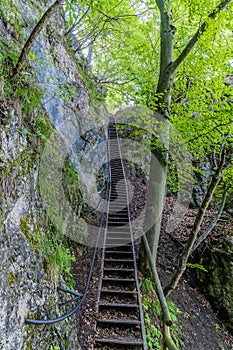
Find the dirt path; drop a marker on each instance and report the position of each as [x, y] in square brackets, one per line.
[201, 329]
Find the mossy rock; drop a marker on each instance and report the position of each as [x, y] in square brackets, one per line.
[33, 235]
[12, 278]
[217, 284]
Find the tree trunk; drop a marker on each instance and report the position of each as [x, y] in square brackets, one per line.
[168, 68]
[154, 208]
[158, 173]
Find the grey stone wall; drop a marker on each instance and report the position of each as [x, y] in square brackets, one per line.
[26, 287]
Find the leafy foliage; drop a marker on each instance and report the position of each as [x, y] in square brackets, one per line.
[58, 256]
[121, 43]
[122, 57]
[152, 311]
[197, 266]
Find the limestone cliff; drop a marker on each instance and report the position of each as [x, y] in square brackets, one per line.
[51, 95]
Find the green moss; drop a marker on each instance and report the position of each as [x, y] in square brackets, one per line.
[27, 92]
[24, 226]
[1, 220]
[33, 236]
[152, 317]
[28, 346]
[32, 315]
[9, 10]
[58, 256]
[24, 89]
[71, 184]
[43, 128]
[11, 278]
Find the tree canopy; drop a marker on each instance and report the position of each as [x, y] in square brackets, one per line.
[174, 57]
[121, 43]
[125, 41]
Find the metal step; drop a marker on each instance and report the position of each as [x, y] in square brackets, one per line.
[119, 260]
[120, 341]
[118, 291]
[109, 269]
[118, 232]
[120, 252]
[119, 306]
[119, 322]
[120, 280]
[118, 239]
[126, 247]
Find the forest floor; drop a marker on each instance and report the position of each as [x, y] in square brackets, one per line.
[200, 328]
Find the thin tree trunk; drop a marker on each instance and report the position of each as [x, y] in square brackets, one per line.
[212, 225]
[154, 208]
[30, 41]
[159, 289]
[90, 54]
[196, 227]
[166, 319]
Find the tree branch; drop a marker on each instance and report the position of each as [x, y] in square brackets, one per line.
[78, 21]
[223, 4]
[81, 47]
[196, 226]
[207, 132]
[212, 225]
[116, 81]
[30, 41]
[116, 18]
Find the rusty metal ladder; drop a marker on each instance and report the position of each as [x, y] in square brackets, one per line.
[120, 321]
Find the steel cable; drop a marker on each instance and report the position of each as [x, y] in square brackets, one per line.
[78, 296]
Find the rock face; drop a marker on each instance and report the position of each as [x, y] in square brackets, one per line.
[201, 182]
[49, 98]
[217, 283]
